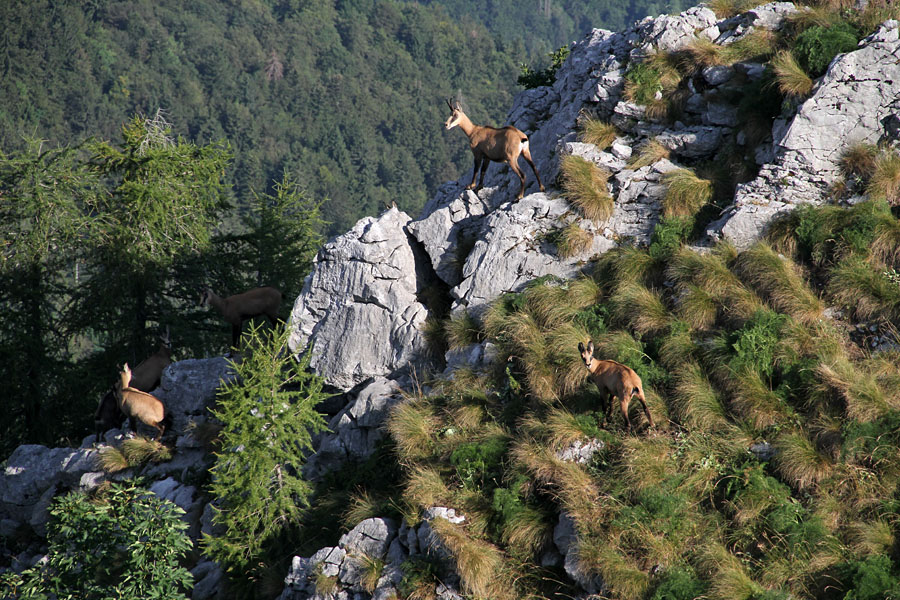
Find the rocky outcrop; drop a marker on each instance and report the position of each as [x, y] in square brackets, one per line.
[359, 312]
[849, 105]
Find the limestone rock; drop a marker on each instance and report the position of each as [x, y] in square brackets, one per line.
[355, 430]
[849, 103]
[512, 252]
[188, 388]
[358, 311]
[451, 225]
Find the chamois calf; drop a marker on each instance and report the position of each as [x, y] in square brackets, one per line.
[491, 144]
[614, 379]
[136, 404]
[240, 307]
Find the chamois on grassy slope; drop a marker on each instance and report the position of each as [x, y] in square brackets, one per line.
[491, 144]
[144, 377]
[614, 379]
[136, 404]
[238, 308]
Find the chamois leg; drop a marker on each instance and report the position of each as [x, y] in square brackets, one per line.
[160, 428]
[527, 154]
[484, 166]
[624, 404]
[478, 161]
[235, 335]
[639, 394]
[512, 165]
[609, 407]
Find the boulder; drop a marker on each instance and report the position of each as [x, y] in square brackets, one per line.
[358, 313]
[188, 389]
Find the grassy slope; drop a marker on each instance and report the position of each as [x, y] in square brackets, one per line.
[736, 352]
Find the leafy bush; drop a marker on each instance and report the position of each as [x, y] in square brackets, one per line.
[679, 583]
[669, 234]
[828, 232]
[123, 543]
[478, 463]
[642, 83]
[871, 579]
[818, 45]
[530, 78]
[754, 344]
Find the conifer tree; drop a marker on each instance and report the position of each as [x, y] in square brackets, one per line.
[269, 415]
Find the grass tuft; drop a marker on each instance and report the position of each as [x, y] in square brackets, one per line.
[858, 161]
[649, 153]
[478, 563]
[686, 193]
[885, 181]
[597, 132]
[573, 240]
[412, 425]
[112, 459]
[584, 184]
[139, 450]
[800, 462]
[462, 330]
[779, 281]
[792, 79]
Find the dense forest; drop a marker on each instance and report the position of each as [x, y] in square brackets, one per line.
[346, 96]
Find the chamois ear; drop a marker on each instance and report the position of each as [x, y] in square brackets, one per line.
[591, 347]
[580, 347]
[125, 368]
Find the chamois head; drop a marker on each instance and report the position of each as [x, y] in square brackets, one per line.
[587, 354]
[456, 114]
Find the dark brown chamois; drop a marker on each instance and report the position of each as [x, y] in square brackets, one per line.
[614, 379]
[240, 307]
[491, 144]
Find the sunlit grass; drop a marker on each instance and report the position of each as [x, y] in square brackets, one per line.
[792, 79]
[584, 185]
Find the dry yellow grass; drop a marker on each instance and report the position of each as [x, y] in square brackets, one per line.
[792, 79]
[584, 184]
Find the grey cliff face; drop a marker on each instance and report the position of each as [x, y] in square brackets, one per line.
[359, 311]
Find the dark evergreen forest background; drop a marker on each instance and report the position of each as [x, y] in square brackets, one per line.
[345, 95]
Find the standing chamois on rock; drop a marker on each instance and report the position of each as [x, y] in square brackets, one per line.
[614, 379]
[492, 144]
[240, 307]
[144, 377]
[136, 404]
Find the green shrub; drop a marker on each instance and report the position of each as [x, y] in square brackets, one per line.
[754, 345]
[529, 78]
[122, 543]
[642, 82]
[871, 579]
[669, 234]
[818, 45]
[479, 463]
[679, 583]
[594, 319]
[827, 233]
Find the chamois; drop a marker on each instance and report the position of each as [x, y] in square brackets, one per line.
[147, 374]
[144, 377]
[137, 404]
[240, 307]
[614, 379]
[107, 415]
[491, 144]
